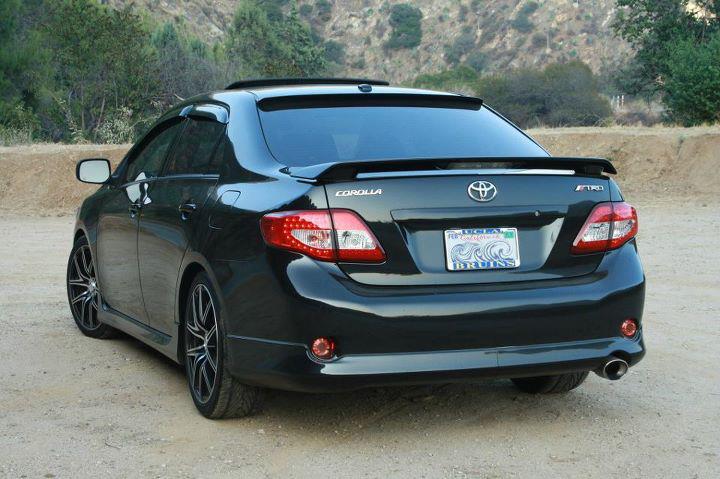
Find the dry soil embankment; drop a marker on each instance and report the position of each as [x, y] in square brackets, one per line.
[654, 163]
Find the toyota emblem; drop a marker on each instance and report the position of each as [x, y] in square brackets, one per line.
[482, 191]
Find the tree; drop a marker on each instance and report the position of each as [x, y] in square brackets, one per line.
[653, 28]
[262, 47]
[102, 61]
[405, 20]
[692, 90]
[23, 66]
[184, 65]
[573, 96]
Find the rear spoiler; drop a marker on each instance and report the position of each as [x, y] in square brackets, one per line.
[342, 171]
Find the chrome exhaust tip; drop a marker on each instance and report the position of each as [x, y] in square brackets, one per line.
[613, 370]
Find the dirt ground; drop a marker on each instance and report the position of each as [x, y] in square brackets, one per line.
[71, 406]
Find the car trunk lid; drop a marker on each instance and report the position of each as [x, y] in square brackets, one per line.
[410, 212]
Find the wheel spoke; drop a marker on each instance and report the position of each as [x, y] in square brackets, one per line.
[208, 383]
[85, 251]
[198, 374]
[195, 351]
[79, 297]
[211, 362]
[78, 269]
[194, 331]
[205, 313]
[211, 334]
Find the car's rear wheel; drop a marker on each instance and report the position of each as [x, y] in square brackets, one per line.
[214, 391]
[560, 383]
[83, 292]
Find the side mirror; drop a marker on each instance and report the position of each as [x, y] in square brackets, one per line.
[94, 170]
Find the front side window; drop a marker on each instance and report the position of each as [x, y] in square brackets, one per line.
[148, 161]
[194, 153]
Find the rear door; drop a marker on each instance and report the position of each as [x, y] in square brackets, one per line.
[426, 224]
[173, 219]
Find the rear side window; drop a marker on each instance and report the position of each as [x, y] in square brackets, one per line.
[151, 155]
[194, 152]
[309, 136]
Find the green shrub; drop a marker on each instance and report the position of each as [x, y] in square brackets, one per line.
[324, 10]
[405, 21]
[476, 60]
[539, 40]
[463, 44]
[463, 12]
[522, 23]
[692, 89]
[458, 79]
[529, 8]
[563, 94]
[305, 10]
[335, 52]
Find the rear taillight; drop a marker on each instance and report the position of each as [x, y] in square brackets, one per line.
[326, 235]
[609, 226]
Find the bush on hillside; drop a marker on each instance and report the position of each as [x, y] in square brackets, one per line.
[463, 44]
[563, 94]
[324, 10]
[476, 60]
[405, 20]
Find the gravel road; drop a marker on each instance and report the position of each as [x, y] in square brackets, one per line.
[71, 406]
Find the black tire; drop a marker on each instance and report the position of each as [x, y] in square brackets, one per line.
[83, 294]
[227, 398]
[561, 383]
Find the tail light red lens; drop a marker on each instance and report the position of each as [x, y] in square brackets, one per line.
[609, 226]
[326, 235]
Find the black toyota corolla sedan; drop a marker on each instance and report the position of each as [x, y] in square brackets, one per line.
[334, 234]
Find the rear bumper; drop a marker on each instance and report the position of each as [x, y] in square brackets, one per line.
[291, 367]
[391, 335]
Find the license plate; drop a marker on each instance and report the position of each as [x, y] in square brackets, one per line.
[482, 248]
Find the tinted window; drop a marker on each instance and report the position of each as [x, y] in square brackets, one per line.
[194, 153]
[149, 159]
[307, 136]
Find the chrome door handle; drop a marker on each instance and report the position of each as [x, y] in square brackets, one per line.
[186, 209]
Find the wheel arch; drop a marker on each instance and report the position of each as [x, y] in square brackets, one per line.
[78, 234]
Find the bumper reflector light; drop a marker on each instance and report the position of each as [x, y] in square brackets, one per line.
[628, 328]
[323, 348]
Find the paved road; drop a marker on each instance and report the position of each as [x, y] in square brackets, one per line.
[76, 407]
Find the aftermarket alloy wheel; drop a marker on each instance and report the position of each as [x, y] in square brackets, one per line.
[214, 391]
[83, 291]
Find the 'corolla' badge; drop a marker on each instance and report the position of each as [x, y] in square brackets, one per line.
[482, 191]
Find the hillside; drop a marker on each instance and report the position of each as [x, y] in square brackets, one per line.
[499, 34]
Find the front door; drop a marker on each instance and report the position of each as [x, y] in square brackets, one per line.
[118, 272]
[173, 222]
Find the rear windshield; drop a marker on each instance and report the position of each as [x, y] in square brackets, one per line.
[310, 136]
